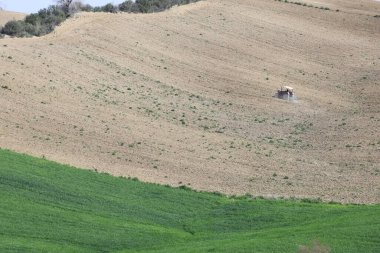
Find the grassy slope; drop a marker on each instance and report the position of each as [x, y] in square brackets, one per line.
[6, 16]
[47, 207]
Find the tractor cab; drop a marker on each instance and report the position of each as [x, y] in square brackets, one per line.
[285, 91]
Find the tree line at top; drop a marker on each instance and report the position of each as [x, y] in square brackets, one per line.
[45, 20]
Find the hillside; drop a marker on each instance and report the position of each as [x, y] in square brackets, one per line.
[47, 207]
[185, 97]
[6, 16]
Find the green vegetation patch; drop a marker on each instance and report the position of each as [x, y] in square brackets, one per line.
[48, 207]
[44, 22]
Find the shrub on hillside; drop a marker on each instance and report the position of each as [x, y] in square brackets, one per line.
[44, 22]
[77, 7]
[143, 6]
[33, 19]
[109, 8]
[14, 28]
[148, 6]
[50, 18]
[84, 7]
[128, 6]
[36, 24]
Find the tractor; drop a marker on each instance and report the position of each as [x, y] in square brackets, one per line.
[285, 92]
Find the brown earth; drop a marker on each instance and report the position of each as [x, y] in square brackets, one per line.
[6, 16]
[184, 97]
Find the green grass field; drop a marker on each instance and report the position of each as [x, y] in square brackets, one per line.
[47, 207]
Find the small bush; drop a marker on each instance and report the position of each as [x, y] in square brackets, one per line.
[14, 28]
[109, 8]
[86, 7]
[128, 6]
[79, 6]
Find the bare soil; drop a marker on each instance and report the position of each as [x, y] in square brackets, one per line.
[185, 97]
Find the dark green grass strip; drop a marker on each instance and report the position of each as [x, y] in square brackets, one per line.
[48, 207]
